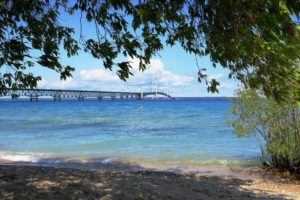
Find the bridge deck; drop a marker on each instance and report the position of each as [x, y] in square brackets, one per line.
[80, 94]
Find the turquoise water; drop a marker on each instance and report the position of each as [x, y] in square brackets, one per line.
[177, 132]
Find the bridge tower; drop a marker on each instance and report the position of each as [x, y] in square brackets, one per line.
[154, 87]
[142, 95]
[167, 92]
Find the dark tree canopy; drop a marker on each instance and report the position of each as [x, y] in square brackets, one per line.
[258, 40]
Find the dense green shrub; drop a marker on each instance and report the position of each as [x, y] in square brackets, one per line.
[275, 125]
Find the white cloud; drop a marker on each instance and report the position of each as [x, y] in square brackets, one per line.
[156, 68]
[226, 85]
[42, 83]
[224, 82]
[215, 76]
[97, 75]
[102, 79]
[68, 83]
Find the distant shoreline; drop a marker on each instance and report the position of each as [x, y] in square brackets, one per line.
[8, 99]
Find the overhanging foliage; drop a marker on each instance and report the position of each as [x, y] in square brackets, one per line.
[258, 41]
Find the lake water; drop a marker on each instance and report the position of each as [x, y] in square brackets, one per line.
[177, 133]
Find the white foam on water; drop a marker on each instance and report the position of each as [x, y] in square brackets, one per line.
[108, 160]
[23, 157]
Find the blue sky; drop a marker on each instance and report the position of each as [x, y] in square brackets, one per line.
[174, 68]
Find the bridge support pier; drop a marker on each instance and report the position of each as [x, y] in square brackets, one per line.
[34, 97]
[81, 98]
[113, 97]
[57, 98]
[99, 98]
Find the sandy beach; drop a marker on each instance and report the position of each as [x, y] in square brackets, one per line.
[40, 182]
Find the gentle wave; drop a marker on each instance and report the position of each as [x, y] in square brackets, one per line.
[49, 158]
[23, 156]
[33, 157]
[172, 133]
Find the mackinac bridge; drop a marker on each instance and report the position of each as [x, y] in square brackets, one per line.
[81, 95]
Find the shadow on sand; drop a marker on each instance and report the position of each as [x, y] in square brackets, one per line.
[122, 181]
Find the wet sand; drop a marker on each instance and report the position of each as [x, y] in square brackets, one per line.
[41, 182]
